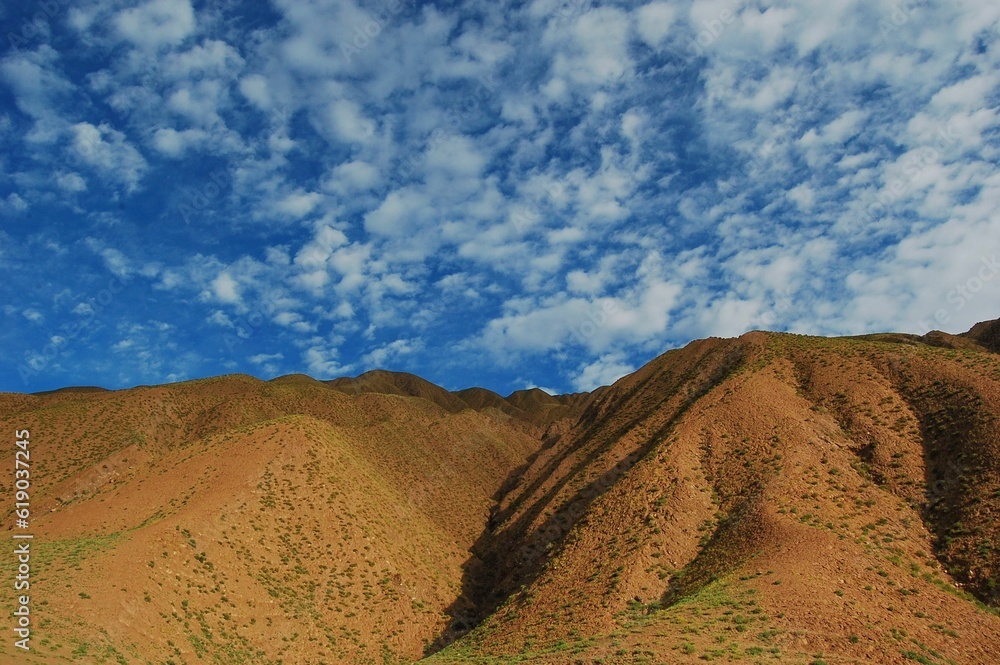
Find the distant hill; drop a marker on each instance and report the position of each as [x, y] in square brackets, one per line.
[986, 334]
[399, 383]
[533, 406]
[769, 498]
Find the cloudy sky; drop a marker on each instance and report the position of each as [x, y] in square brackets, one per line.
[491, 193]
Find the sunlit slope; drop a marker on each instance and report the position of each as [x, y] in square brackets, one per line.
[770, 497]
[232, 520]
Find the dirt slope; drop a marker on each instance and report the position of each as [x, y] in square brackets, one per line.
[770, 497]
[232, 520]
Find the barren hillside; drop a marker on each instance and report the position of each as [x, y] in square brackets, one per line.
[771, 498]
[233, 520]
[768, 497]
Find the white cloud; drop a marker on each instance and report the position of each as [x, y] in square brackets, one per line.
[109, 152]
[114, 259]
[347, 122]
[803, 196]
[298, 203]
[316, 253]
[221, 319]
[257, 89]
[262, 358]
[398, 215]
[212, 58]
[383, 356]
[844, 127]
[654, 21]
[268, 362]
[322, 361]
[603, 371]
[71, 182]
[15, 202]
[225, 288]
[199, 102]
[351, 177]
[33, 315]
[175, 143]
[156, 23]
[770, 25]
[38, 88]
[455, 157]
[598, 325]
[596, 51]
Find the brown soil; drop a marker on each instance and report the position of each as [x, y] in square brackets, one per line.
[772, 498]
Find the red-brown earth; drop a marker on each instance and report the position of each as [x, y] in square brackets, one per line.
[771, 498]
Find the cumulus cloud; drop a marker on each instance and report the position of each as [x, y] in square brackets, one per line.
[175, 143]
[109, 152]
[603, 371]
[71, 182]
[114, 259]
[298, 203]
[322, 361]
[225, 288]
[593, 51]
[346, 121]
[156, 23]
[39, 88]
[654, 21]
[576, 186]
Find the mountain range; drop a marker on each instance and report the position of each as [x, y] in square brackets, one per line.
[767, 498]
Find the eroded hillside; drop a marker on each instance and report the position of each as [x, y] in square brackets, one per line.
[771, 498]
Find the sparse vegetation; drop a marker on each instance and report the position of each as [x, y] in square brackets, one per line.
[760, 500]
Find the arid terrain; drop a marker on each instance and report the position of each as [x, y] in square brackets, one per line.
[769, 498]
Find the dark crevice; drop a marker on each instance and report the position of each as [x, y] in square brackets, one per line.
[503, 561]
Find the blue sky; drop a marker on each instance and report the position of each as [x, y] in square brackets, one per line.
[504, 194]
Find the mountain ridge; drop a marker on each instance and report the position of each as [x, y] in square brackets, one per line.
[761, 497]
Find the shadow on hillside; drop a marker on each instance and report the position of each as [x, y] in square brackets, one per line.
[502, 563]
